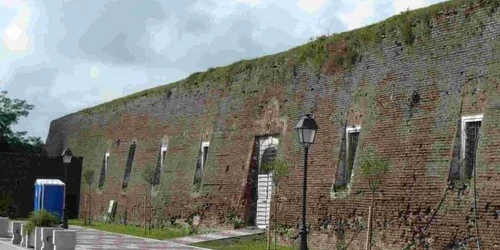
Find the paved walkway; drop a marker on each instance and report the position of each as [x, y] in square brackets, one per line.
[91, 239]
[96, 239]
[5, 245]
[217, 236]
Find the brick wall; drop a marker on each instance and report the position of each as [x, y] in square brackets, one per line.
[454, 72]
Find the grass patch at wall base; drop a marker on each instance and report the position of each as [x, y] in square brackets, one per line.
[154, 233]
[254, 243]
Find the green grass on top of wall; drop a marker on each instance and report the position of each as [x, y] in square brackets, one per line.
[406, 27]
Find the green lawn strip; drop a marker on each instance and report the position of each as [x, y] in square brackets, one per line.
[154, 233]
[254, 243]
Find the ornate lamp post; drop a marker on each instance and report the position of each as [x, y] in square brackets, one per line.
[66, 155]
[306, 132]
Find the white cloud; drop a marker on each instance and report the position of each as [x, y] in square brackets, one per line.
[11, 3]
[94, 72]
[403, 5]
[15, 36]
[311, 6]
[250, 2]
[361, 14]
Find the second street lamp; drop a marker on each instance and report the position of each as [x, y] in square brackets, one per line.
[66, 155]
[306, 132]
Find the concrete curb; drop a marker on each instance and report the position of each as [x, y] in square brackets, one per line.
[224, 235]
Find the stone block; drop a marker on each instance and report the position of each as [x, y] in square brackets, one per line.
[31, 240]
[24, 238]
[27, 239]
[16, 232]
[64, 239]
[4, 227]
[39, 239]
[47, 236]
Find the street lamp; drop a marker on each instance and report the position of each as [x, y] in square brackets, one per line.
[66, 155]
[306, 132]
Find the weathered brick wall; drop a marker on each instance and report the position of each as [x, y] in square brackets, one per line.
[452, 66]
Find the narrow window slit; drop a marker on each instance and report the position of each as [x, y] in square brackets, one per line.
[200, 166]
[346, 165]
[128, 168]
[104, 170]
[464, 166]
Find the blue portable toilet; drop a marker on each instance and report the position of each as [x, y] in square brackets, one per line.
[49, 195]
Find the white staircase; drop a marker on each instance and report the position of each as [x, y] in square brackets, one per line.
[265, 190]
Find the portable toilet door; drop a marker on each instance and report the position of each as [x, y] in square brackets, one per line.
[50, 196]
[38, 193]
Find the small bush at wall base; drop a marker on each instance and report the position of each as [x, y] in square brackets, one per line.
[42, 218]
[234, 219]
[5, 203]
[339, 188]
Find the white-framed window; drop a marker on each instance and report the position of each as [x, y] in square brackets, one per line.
[268, 150]
[352, 138]
[163, 154]
[160, 169]
[104, 170]
[204, 154]
[470, 134]
[106, 161]
[200, 164]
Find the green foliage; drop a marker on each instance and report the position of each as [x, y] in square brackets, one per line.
[234, 219]
[315, 50]
[256, 242]
[406, 27]
[88, 176]
[374, 170]
[339, 187]
[42, 218]
[148, 174]
[10, 112]
[136, 230]
[278, 167]
[285, 231]
[5, 202]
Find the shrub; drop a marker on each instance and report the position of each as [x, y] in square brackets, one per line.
[42, 218]
[234, 219]
[5, 203]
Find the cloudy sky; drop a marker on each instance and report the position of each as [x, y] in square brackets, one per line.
[63, 56]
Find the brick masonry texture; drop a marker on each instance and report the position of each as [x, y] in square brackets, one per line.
[455, 71]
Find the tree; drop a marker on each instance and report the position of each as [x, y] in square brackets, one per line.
[5, 203]
[280, 169]
[148, 175]
[374, 171]
[88, 177]
[10, 112]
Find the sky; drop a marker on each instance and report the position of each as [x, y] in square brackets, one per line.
[66, 55]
